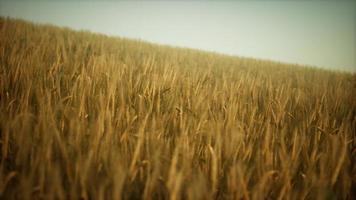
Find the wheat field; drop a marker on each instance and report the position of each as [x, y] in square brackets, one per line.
[87, 116]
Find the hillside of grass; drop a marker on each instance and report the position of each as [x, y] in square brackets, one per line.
[87, 116]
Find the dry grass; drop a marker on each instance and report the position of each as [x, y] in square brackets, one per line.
[85, 116]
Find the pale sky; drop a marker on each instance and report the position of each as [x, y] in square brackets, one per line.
[320, 33]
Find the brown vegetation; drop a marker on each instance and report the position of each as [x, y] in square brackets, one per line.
[86, 116]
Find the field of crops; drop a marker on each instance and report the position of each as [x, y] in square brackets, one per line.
[87, 116]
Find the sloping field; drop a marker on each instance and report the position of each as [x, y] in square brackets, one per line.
[86, 116]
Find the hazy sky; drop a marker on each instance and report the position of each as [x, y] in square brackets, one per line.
[318, 33]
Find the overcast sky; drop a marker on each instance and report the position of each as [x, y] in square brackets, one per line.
[320, 33]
